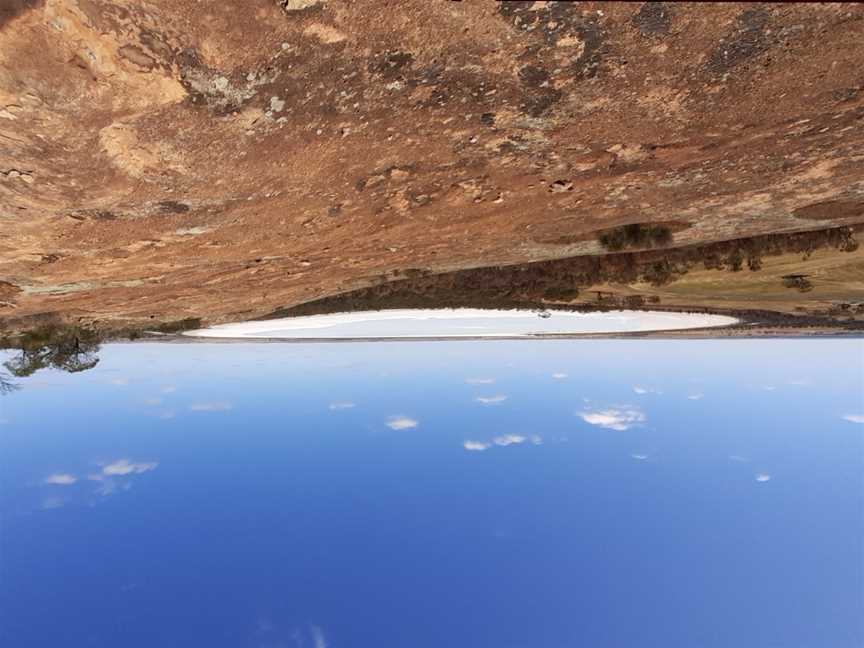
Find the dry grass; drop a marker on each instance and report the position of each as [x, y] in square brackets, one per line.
[836, 277]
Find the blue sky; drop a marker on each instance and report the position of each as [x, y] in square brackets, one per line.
[495, 493]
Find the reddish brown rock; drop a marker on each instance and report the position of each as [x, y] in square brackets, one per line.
[176, 158]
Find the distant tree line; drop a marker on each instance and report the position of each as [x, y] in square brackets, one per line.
[635, 235]
[562, 279]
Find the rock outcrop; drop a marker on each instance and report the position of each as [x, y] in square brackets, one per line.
[175, 158]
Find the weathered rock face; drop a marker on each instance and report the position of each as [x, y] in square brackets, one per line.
[176, 158]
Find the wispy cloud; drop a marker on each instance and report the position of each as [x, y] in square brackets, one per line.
[126, 467]
[119, 381]
[318, 639]
[559, 375]
[738, 458]
[491, 400]
[61, 479]
[153, 401]
[211, 406]
[854, 418]
[762, 477]
[639, 457]
[341, 405]
[614, 418]
[479, 381]
[696, 396]
[168, 389]
[768, 387]
[503, 441]
[401, 423]
[508, 439]
[477, 446]
[800, 381]
[646, 390]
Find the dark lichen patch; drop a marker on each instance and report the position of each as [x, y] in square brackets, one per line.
[172, 207]
[559, 23]
[533, 76]
[540, 96]
[831, 209]
[391, 65]
[551, 20]
[587, 65]
[10, 9]
[539, 102]
[748, 39]
[653, 18]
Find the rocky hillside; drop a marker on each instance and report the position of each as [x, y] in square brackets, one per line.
[175, 158]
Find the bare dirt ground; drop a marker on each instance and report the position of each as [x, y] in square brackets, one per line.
[165, 159]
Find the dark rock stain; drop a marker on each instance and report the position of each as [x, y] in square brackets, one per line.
[747, 40]
[831, 209]
[10, 9]
[652, 18]
[172, 207]
[390, 65]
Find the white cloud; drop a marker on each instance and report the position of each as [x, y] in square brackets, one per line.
[169, 389]
[212, 406]
[401, 423]
[762, 477]
[479, 381]
[126, 467]
[318, 639]
[738, 458]
[559, 375]
[646, 390]
[696, 396]
[503, 440]
[614, 418]
[61, 479]
[478, 446]
[639, 457]
[508, 439]
[768, 387]
[854, 418]
[491, 400]
[52, 503]
[341, 405]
